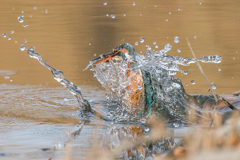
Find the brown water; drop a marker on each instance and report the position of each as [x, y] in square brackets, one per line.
[34, 114]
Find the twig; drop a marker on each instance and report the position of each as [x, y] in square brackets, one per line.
[227, 103]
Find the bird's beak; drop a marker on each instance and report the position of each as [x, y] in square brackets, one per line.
[104, 57]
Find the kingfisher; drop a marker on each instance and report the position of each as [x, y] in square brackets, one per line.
[151, 89]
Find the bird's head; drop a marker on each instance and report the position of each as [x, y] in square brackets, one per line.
[124, 52]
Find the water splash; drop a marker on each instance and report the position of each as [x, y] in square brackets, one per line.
[58, 76]
[152, 74]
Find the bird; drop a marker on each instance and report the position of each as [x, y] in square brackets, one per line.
[153, 89]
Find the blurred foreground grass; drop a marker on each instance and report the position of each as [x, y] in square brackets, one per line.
[209, 137]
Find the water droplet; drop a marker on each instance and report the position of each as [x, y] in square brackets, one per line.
[22, 47]
[46, 11]
[15, 42]
[20, 19]
[186, 84]
[146, 129]
[9, 38]
[10, 80]
[154, 42]
[200, 3]
[167, 47]
[195, 37]
[34, 7]
[185, 72]
[213, 86]
[58, 146]
[32, 48]
[89, 44]
[192, 82]
[178, 9]
[107, 15]
[170, 12]
[65, 99]
[156, 46]
[136, 43]
[142, 39]
[166, 19]
[22, 11]
[219, 69]
[124, 15]
[94, 54]
[104, 3]
[25, 41]
[148, 47]
[12, 31]
[112, 16]
[178, 50]
[176, 85]
[30, 15]
[139, 87]
[6, 77]
[233, 58]
[176, 39]
[140, 14]
[4, 35]
[26, 25]
[134, 4]
[155, 5]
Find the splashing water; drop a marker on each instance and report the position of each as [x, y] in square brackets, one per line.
[58, 76]
[159, 92]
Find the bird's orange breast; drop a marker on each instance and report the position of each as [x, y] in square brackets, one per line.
[136, 88]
